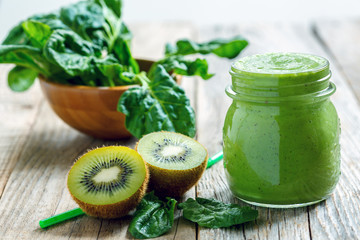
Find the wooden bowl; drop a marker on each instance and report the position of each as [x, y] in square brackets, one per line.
[91, 110]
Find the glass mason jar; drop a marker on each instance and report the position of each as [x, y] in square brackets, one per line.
[281, 132]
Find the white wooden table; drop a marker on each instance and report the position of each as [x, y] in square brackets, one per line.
[37, 148]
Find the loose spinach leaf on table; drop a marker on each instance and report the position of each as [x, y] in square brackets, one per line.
[228, 48]
[215, 214]
[153, 217]
[159, 104]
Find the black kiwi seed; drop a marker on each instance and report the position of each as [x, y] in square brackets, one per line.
[109, 187]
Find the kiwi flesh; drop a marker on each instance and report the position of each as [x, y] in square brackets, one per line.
[176, 162]
[108, 182]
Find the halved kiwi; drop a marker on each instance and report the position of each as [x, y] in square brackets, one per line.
[176, 162]
[108, 182]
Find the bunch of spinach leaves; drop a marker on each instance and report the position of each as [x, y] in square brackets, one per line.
[154, 217]
[87, 43]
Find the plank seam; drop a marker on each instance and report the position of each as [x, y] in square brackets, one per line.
[243, 229]
[278, 228]
[309, 226]
[98, 235]
[177, 225]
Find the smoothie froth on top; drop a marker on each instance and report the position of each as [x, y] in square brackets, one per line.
[280, 63]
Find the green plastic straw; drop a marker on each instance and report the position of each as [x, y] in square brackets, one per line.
[78, 212]
[60, 217]
[214, 159]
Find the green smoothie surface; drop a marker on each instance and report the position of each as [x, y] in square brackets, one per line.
[280, 63]
[289, 74]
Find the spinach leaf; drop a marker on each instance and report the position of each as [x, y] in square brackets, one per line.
[123, 54]
[17, 35]
[75, 56]
[159, 104]
[51, 19]
[21, 78]
[26, 56]
[215, 214]
[153, 217]
[228, 48]
[115, 28]
[181, 66]
[116, 74]
[114, 5]
[37, 32]
[85, 18]
[100, 22]
[97, 21]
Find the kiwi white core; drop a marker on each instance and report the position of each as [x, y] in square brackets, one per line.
[107, 175]
[170, 150]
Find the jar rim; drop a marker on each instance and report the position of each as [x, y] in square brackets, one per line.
[323, 67]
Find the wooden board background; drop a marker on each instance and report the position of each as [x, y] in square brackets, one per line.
[37, 149]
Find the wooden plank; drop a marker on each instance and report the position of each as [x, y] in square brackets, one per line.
[17, 113]
[37, 183]
[36, 186]
[341, 40]
[322, 221]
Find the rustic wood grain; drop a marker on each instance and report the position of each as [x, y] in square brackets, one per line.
[336, 218]
[341, 40]
[18, 112]
[37, 183]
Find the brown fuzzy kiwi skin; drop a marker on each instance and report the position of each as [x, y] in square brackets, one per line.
[174, 183]
[118, 209]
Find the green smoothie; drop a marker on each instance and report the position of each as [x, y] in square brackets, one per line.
[281, 133]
